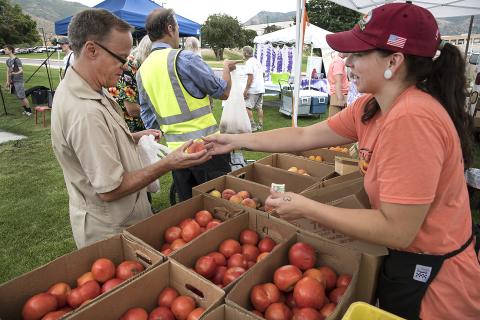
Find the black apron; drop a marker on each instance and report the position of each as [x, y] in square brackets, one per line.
[405, 277]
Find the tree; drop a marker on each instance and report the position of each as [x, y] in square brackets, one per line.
[247, 38]
[331, 16]
[271, 28]
[222, 31]
[16, 27]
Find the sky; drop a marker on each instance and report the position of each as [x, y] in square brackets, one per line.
[199, 10]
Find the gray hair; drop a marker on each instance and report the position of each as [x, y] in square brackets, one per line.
[93, 24]
[143, 49]
[192, 44]
[248, 51]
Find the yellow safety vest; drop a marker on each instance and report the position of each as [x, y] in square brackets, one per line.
[180, 115]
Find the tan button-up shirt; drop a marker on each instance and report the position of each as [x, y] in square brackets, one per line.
[94, 147]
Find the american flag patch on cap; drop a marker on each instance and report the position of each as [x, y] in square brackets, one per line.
[396, 41]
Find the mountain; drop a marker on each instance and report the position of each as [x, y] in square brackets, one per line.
[46, 12]
[448, 26]
[270, 17]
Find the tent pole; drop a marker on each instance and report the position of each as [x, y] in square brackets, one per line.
[468, 37]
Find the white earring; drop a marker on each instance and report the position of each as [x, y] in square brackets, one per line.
[388, 74]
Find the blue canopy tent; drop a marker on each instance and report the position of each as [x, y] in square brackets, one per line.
[134, 12]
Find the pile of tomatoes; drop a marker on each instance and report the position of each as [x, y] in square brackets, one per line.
[234, 258]
[300, 290]
[60, 299]
[188, 229]
[171, 306]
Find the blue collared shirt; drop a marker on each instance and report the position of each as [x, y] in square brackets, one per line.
[196, 76]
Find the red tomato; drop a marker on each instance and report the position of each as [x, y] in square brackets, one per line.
[262, 255]
[110, 284]
[190, 231]
[165, 246]
[166, 297]
[263, 295]
[266, 245]
[344, 280]
[167, 251]
[60, 290]
[218, 275]
[196, 314]
[286, 277]
[177, 244]
[38, 306]
[306, 314]
[172, 234]
[249, 237]
[182, 306]
[309, 293]
[238, 260]
[205, 266]
[195, 147]
[161, 313]
[135, 314]
[203, 217]
[184, 222]
[330, 277]
[229, 247]
[54, 315]
[250, 252]
[302, 255]
[328, 309]
[128, 269]
[87, 276]
[75, 298]
[213, 224]
[278, 311]
[103, 269]
[90, 290]
[317, 275]
[232, 274]
[219, 258]
[337, 294]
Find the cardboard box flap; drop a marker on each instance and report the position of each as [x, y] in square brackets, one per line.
[284, 161]
[143, 292]
[341, 259]
[266, 175]
[226, 312]
[149, 232]
[337, 191]
[67, 268]
[345, 178]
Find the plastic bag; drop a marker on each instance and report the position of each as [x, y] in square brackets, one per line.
[234, 116]
[150, 152]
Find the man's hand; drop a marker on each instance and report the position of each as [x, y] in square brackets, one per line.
[180, 159]
[230, 64]
[219, 143]
[156, 133]
[245, 94]
[288, 205]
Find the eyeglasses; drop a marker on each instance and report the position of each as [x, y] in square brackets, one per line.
[123, 61]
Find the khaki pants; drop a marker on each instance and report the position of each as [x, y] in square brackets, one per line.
[335, 105]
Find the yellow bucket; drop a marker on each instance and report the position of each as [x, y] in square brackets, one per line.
[364, 311]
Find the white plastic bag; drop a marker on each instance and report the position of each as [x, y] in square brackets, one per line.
[150, 152]
[234, 116]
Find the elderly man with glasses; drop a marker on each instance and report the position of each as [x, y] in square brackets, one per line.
[105, 179]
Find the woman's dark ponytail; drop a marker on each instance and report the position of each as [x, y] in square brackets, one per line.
[444, 78]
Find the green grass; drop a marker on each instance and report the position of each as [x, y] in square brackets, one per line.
[34, 220]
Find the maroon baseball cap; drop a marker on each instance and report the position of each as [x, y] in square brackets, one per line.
[398, 27]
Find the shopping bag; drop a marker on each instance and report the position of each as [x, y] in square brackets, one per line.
[234, 116]
[150, 152]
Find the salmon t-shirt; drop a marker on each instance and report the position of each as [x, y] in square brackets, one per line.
[337, 67]
[412, 155]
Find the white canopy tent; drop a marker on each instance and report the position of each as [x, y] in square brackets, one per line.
[314, 36]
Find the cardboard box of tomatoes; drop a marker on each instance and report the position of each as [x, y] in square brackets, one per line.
[226, 312]
[46, 289]
[347, 194]
[299, 165]
[227, 252]
[169, 289]
[306, 274]
[176, 226]
[263, 174]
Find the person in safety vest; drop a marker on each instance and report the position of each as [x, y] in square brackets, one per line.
[415, 134]
[105, 178]
[174, 88]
